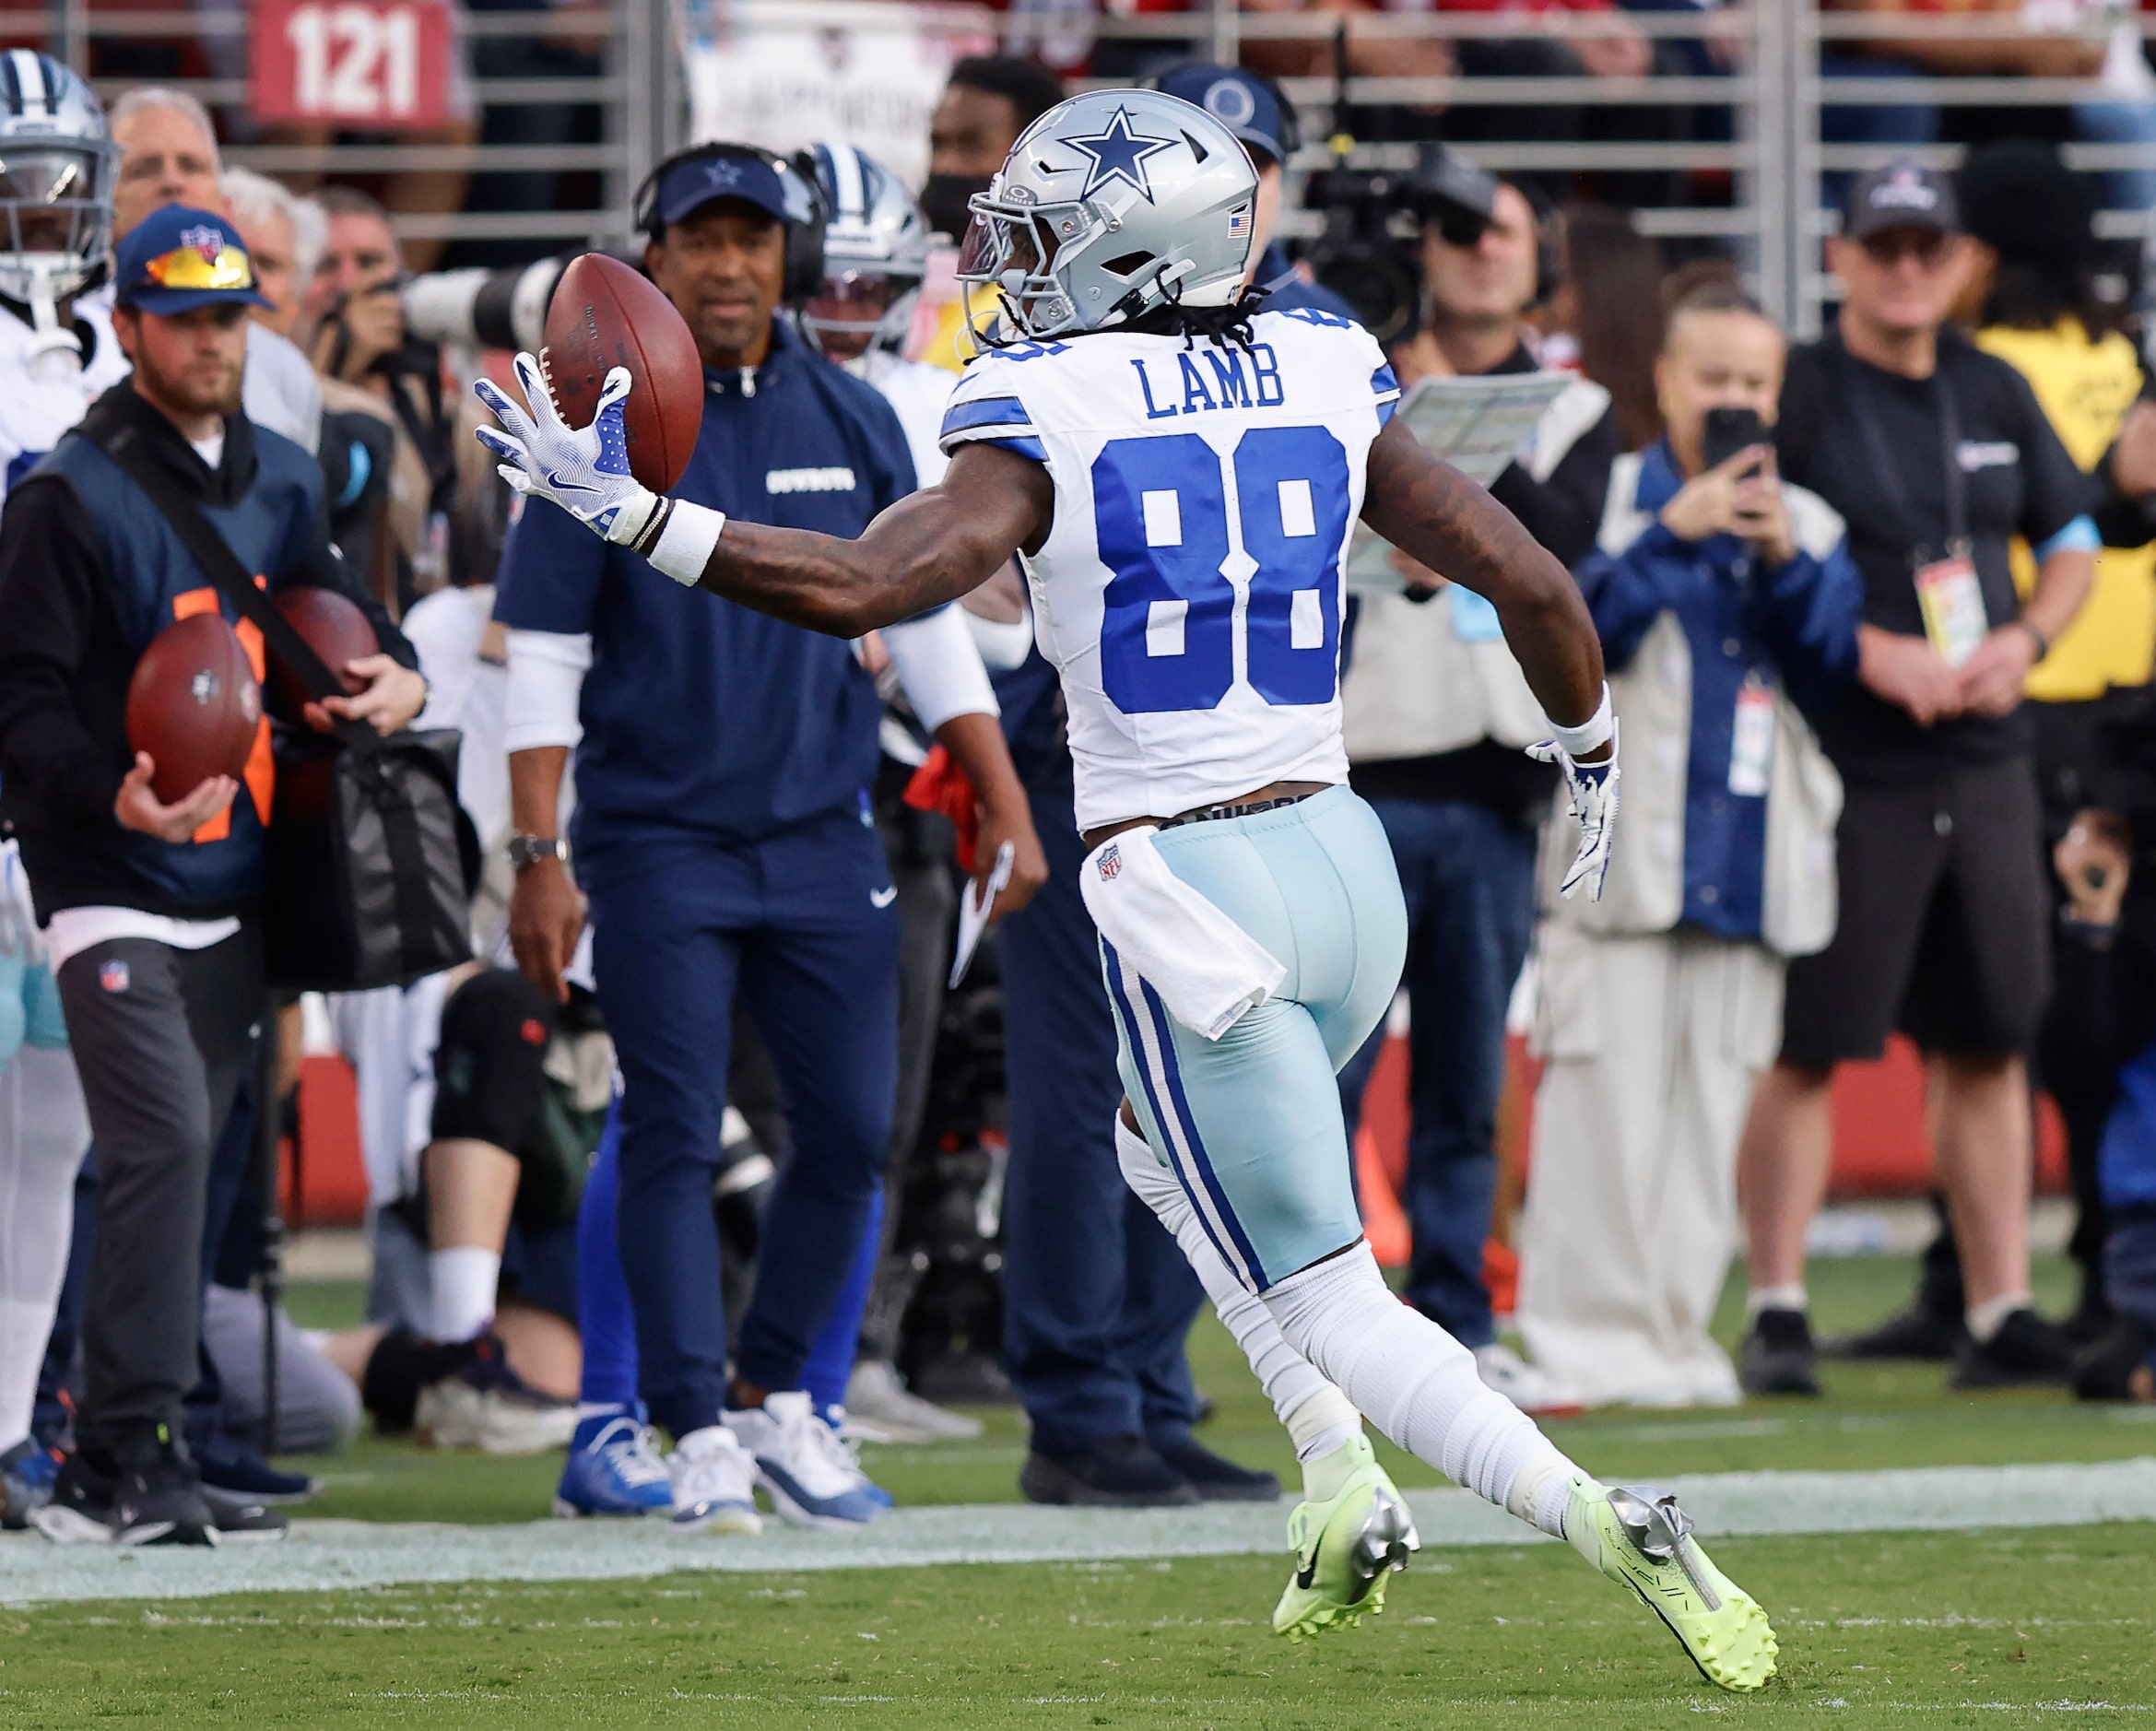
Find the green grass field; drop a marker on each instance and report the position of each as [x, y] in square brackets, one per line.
[1879, 1630]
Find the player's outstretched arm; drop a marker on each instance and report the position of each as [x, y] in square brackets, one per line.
[930, 547]
[1432, 512]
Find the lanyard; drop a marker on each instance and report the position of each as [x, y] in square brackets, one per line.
[1882, 460]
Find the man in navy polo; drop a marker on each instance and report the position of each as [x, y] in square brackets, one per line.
[725, 841]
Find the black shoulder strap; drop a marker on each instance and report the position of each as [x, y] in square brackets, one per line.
[210, 550]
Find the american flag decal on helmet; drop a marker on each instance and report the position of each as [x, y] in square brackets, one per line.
[1239, 222]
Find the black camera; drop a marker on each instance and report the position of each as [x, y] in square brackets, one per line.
[1370, 252]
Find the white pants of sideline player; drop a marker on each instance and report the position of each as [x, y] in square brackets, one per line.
[1653, 1047]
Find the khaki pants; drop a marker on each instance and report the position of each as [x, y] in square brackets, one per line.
[1653, 1045]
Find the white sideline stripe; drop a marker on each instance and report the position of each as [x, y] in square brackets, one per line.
[330, 1555]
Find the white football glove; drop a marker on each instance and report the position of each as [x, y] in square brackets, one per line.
[1591, 788]
[583, 470]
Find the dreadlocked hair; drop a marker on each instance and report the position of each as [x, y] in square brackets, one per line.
[1217, 326]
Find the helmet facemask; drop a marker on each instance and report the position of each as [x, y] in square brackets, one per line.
[1015, 247]
[57, 200]
[859, 311]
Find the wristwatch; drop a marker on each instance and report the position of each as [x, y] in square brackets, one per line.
[526, 851]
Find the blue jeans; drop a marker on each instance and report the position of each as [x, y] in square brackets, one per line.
[1097, 1296]
[1467, 874]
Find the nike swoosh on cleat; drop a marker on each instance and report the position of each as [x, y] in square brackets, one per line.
[883, 898]
[1308, 1572]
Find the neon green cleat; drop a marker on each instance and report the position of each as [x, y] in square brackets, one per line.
[1344, 1544]
[1640, 1540]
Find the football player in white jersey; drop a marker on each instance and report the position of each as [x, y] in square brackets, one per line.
[57, 354]
[1181, 471]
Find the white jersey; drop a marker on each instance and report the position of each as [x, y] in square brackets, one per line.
[1190, 593]
[42, 398]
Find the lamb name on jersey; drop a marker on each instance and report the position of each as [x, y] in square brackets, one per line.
[1190, 593]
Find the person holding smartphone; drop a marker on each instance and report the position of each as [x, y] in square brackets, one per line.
[1727, 607]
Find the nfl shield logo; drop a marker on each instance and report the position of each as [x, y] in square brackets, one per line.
[113, 976]
[1111, 862]
[209, 242]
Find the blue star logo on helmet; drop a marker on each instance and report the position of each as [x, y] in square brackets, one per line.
[1119, 154]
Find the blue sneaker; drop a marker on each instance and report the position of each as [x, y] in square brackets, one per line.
[26, 1476]
[850, 1436]
[810, 1475]
[613, 1468]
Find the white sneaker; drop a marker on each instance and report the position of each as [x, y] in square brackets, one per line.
[1530, 1390]
[714, 1484]
[878, 1401]
[808, 1472]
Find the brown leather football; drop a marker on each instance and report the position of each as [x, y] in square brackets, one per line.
[335, 630]
[194, 705]
[606, 315]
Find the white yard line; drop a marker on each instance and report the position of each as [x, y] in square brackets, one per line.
[342, 1554]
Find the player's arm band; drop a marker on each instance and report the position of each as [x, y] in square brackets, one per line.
[939, 667]
[680, 538]
[1591, 735]
[546, 681]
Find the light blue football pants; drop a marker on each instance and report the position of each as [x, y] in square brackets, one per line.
[1250, 1124]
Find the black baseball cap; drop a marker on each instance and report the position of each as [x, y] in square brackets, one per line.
[1902, 194]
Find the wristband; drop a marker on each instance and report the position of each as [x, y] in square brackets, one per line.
[681, 538]
[2043, 642]
[1590, 734]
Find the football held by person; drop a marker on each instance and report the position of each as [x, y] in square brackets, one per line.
[1181, 470]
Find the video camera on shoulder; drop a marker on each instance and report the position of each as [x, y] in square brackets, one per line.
[1370, 253]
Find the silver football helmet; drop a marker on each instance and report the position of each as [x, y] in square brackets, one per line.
[1113, 204]
[58, 167]
[874, 256]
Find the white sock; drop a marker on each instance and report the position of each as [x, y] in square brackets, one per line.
[1316, 1414]
[1985, 1319]
[1417, 1383]
[44, 1133]
[598, 1409]
[463, 1281]
[25, 1327]
[1774, 1298]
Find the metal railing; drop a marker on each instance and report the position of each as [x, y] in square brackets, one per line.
[1756, 190]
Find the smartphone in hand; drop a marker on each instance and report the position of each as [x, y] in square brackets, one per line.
[1729, 430]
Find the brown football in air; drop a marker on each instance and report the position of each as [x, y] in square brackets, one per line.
[192, 704]
[335, 629]
[607, 314]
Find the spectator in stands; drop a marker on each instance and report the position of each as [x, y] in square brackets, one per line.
[1437, 712]
[1726, 604]
[169, 154]
[1936, 454]
[2077, 39]
[157, 956]
[2032, 296]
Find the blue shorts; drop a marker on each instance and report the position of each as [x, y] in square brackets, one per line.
[1250, 1122]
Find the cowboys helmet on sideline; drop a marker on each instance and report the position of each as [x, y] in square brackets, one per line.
[1112, 203]
[60, 170]
[874, 256]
